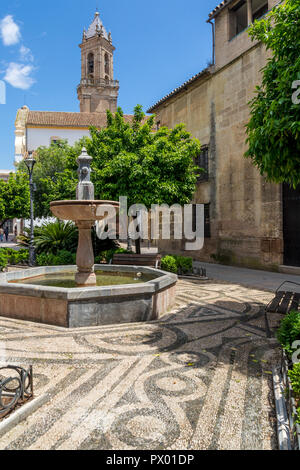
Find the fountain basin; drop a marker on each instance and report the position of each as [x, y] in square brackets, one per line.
[84, 213]
[86, 306]
[81, 210]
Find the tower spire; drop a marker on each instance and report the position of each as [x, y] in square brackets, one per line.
[98, 91]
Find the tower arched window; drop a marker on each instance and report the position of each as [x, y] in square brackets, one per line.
[106, 63]
[90, 64]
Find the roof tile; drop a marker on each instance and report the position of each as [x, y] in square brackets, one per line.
[63, 119]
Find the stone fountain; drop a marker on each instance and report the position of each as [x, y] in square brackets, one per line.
[39, 295]
[84, 212]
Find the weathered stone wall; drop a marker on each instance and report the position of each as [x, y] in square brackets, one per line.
[228, 49]
[246, 220]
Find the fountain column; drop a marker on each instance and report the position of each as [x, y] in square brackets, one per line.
[85, 254]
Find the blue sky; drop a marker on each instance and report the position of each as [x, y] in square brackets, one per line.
[159, 45]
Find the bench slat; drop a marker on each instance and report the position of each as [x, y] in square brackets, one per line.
[275, 302]
[295, 302]
[283, 307]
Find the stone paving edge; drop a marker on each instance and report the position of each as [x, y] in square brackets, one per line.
[22, 413]
[283, 430]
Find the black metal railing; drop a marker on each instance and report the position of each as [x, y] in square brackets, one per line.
[16, 387]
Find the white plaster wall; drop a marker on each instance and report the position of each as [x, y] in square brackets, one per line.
[37, 137]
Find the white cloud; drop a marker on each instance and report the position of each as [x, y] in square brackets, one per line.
[26, 54]
[10, 31]
[19, 75]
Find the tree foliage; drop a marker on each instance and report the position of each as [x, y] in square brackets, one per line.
[148, 167]
[14, 197]
[54, 175]
[274, 126]
[129, 159]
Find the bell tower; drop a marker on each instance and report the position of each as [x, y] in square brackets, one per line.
[98, 91]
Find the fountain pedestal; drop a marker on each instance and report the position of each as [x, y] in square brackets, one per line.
[85, 255]
[83, 211]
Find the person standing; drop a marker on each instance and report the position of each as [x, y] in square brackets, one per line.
[6, 233]
[1, 234]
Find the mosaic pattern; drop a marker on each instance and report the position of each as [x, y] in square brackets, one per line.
[197, 379]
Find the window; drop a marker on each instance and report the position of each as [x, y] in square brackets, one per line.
[106, 63]
[158, 125]
[259, 8]
[207, 233]
[238, 18]
[201, 161]
[90, 63]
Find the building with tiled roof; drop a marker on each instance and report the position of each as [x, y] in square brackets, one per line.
[97, 92]
[248, 221]
[34, 129]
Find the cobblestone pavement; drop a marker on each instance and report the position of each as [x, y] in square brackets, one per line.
[197, 379]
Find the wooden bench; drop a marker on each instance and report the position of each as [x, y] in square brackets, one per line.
[284, 302]
[137, 260]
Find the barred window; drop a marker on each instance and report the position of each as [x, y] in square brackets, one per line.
[201, 161]
[238, 19]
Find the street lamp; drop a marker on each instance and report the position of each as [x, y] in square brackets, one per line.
[30, 162]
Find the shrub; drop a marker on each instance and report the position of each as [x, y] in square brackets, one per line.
[52, 237]
[177, 264]
[184, 264]
[62, 258]
[168, 263]
[10, 256]
[289, 331]
[55, 237]
[294, 375]
[18, 257]
[3, 260]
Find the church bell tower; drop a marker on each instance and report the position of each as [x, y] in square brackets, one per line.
[98, 91]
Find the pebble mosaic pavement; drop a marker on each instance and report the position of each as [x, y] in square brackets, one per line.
[197, 379]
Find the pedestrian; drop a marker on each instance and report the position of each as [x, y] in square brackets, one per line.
[1, 234]
[6, 233]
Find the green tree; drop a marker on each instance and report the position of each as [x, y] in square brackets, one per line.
[54, 175]
[274, 126]
[14, 197]
[130, 159]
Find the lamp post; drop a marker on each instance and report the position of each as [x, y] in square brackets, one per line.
[30, 162]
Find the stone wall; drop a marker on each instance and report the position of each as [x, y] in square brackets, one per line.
[228, 49]
[245, 210]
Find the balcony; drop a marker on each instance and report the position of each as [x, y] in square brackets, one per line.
[98, 82]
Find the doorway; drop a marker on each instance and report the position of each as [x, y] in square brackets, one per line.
[291, 225]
